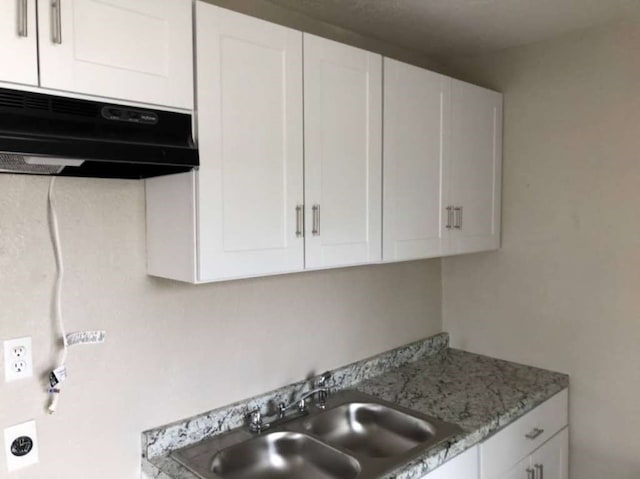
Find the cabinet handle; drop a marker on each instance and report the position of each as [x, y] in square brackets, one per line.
[299, 221]
[458, 218]
[56, 22]
[531, 474]
[534, 433]
[449, 217]
[22, 19]
[316, 220]
[540, 471]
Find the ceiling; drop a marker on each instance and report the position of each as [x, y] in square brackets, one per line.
[445, 28]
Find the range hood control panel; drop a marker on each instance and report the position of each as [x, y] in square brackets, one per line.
[129, 115]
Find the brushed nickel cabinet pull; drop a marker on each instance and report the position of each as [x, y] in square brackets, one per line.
[531, 474]
[457, 223]
[299, 222]
[449, 217]
[539, 471]
[56, 21]
[316, 220]
[22, 19]
[534, 433]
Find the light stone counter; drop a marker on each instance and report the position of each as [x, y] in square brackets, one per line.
[480, 394]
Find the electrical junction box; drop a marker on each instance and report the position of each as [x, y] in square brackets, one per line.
[21, 445]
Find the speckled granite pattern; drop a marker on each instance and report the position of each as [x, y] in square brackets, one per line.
[162, 440]
[479, 393]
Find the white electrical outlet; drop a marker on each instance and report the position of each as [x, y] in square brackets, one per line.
[21, 445]
[18, 362]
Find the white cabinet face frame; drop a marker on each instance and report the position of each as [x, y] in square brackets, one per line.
[463, 466]
[538, 437]
[474, 171]
[343, 154]
[250, 181]
[416, 146]
[133, 50]
[18, 42]
[551, 460]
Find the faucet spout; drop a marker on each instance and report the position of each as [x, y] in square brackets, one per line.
[257, 423]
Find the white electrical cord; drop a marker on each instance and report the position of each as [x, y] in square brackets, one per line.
[55, 237]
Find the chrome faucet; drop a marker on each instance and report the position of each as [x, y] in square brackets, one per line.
[257, 423]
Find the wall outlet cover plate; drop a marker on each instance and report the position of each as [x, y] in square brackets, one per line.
[24, 430]
[18, 361]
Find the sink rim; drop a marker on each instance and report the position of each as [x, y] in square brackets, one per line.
[371, 467]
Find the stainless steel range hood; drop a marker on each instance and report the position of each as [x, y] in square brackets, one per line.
[52, 135]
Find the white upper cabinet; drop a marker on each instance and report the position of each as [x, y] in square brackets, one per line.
[343, 153]
[244, 209]
[18, 42]
[251, 195]
[290, 130]
[474, 170]
[139, 51]
[132, 50]
[416, 144]
[442, 165]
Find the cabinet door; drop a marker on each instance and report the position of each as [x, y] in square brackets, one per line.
[552, 458]
[249, 85]
[416, 130]
[475, 168]
[18, 42]
[139, 51]
[521, 470]
[464, 466]
[343, 153]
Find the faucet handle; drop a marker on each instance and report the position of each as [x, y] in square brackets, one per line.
[255, 420]
[321, 382]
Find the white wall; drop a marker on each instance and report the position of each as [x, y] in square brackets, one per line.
[564, 292]
[172, 350]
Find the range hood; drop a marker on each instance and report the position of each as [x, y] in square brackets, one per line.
[52, 135]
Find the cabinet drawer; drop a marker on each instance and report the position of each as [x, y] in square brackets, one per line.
[522, 437]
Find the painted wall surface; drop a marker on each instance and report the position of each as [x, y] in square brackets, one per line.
[564, 291]
[173, 349]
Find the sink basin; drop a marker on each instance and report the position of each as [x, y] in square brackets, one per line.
[371, 429]
[283, 455]
[278, 455]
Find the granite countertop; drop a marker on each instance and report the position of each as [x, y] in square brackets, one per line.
[479, 393]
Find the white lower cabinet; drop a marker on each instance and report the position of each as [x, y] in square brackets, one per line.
[536, 446]
[463, 466]
[549, 461]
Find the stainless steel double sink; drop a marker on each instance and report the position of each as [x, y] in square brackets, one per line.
[355, 436]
